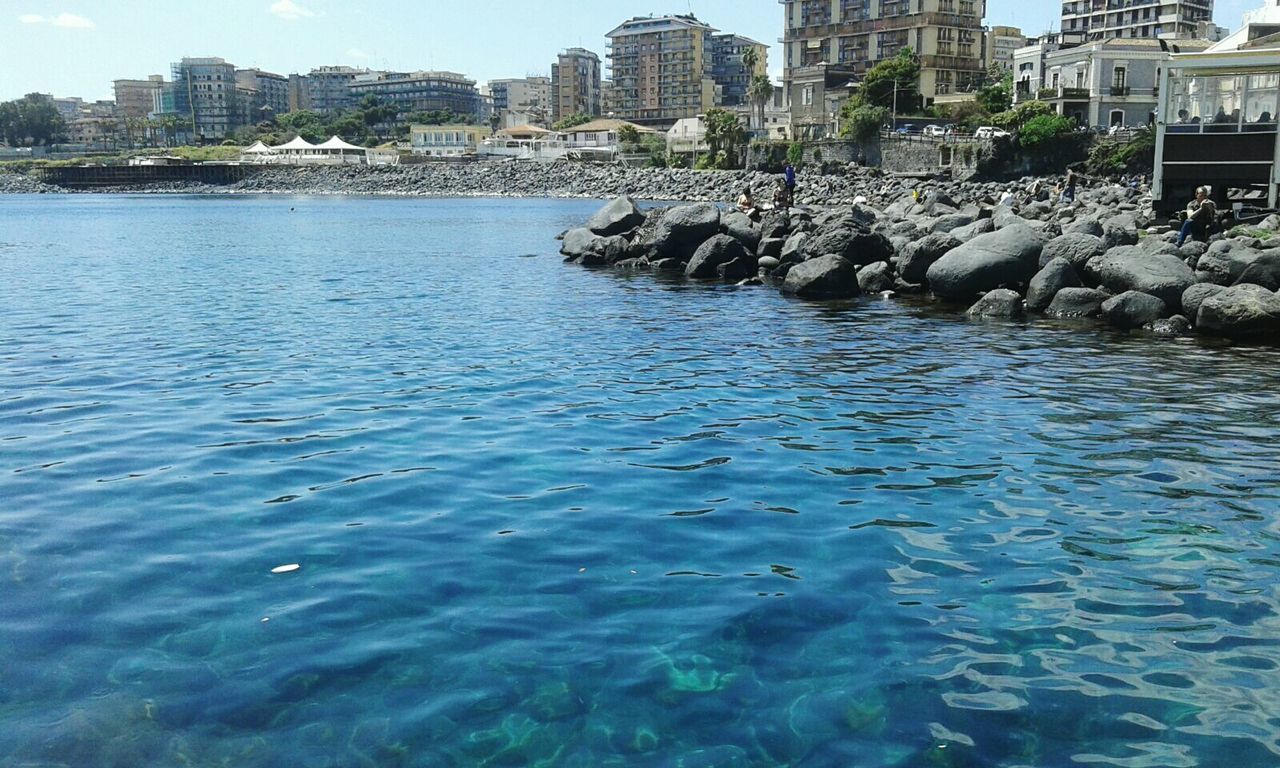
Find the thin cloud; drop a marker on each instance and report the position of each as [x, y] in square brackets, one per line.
[291, 11]
[62, 20]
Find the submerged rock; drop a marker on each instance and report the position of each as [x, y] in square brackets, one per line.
[1000, 304]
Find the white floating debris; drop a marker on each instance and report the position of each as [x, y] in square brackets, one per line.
[290, 568]
[265, 619]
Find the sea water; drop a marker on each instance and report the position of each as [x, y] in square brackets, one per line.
[544, 515]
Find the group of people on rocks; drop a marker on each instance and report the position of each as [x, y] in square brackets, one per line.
[783, 197]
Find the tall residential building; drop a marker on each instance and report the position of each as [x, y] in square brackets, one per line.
[135, 99]
[830, 42]
[1001, 43]
[328, 89]
[575, 84]
[531, 95]
[662, 69]
[264, 94]
[731, 75]
[421, 91]
[204, 95]
[1167, 19]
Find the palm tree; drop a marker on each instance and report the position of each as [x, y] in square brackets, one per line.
[760, 92]
[750, 61]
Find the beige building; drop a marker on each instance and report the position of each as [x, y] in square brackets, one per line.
[830, 44]
[446, 140]
[1166, 19]
[1001, 44]
[135, 99]
[575, 85]
[662, 69]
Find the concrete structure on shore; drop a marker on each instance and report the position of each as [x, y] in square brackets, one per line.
[575, 85]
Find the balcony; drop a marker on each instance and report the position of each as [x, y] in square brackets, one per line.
[1119, 90]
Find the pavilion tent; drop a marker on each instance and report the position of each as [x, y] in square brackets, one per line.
[258, 153]
[343, 151]
[296, 150]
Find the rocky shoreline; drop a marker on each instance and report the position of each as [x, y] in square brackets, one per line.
[507, 179]
[1102, 256]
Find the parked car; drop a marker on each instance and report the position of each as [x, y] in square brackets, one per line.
[908, 128]
[989, 132]
[935, 130]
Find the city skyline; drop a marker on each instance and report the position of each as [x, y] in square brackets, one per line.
[84, 48]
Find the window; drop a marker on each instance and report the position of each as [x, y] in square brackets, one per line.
[806, 96]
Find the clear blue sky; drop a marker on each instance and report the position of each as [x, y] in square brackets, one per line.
[77, 47]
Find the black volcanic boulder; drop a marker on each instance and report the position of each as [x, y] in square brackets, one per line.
[1053, 277]
[684, 228]
[969, 231]
[853, 245]
[1242, 312]
[1077, 302]
[577, 242]
[1225, 262]
[875, 278]
[1119, 230]
[1264, 271]
[618, 216]
[1009, 256]
[1132, 309]
[1076, 247]
[718, 250]
[1000, 304]
[1128, 268]
[826, 277]
[740, 226]
[1194, 296]
[915, 259]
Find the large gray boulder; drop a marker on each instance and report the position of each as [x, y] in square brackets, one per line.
[951, 221]
[718, 250]
[1129, 268]
[1000, 304]
[915, 259]
[578, 242]
[1076, 247]
[1264, 271]
[1194, 296]
[1077, 302]
[619, 215]
[684, 228]
[1119, 230]
[1224, 262]
[739, 225]
[793, 248]
[826, 277]
[1241, 312]
[876, 277]
[853, 245]
[1007, 257]
[969, 231]
[1084, 227]
[1132, 309]
[1053, 277]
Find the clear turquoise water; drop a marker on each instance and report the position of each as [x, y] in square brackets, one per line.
[552, 516]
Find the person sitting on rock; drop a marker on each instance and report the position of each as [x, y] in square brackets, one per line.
[1200, 215]
[747, 204]
[781, 199]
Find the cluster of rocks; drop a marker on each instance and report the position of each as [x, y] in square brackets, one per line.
[1100, 257]
[22, 184]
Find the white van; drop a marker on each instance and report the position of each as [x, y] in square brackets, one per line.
[989, 132]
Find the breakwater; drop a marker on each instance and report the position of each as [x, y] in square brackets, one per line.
[1101, 256]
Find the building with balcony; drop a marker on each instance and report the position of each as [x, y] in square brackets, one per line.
[135, 99]
[204, 97]
[1002, 42]
[575, 85]
[529, 97]
[1110, 82]
[326, 89]
[1164, 19]
[262, 94]
[421, 92]
[731, 75]
[446, 140]
[662, 69]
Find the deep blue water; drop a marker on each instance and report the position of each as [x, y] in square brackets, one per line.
[553, 516]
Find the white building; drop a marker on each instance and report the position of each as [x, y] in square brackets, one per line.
[446, 140]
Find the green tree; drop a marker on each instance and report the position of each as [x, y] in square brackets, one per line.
[724, 136]
[628, 134]
[997, 97]
[571, 121]
[760, 91]
[31, 120]
[862, 122]
[893, 82]
[309, 125]
[1041, 131]
[751, 60]
[795, 154]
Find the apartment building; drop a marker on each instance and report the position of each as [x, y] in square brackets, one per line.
[1002, 42]
[830, 43]
[326, 89]
[204, 96]
[420, 91]
[135, 99]
[1166, 19]
[733, 77]
[529, 95]
[662, 69]
[575, 84]
[261, 95]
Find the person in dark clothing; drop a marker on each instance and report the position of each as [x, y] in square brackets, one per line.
[789, 174]
[1200, 214]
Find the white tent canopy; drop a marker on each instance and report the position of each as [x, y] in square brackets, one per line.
[298, 144]
[258, 148]
[337, 144]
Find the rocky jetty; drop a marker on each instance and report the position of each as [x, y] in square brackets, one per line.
[22, 184]
[1102, 256]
